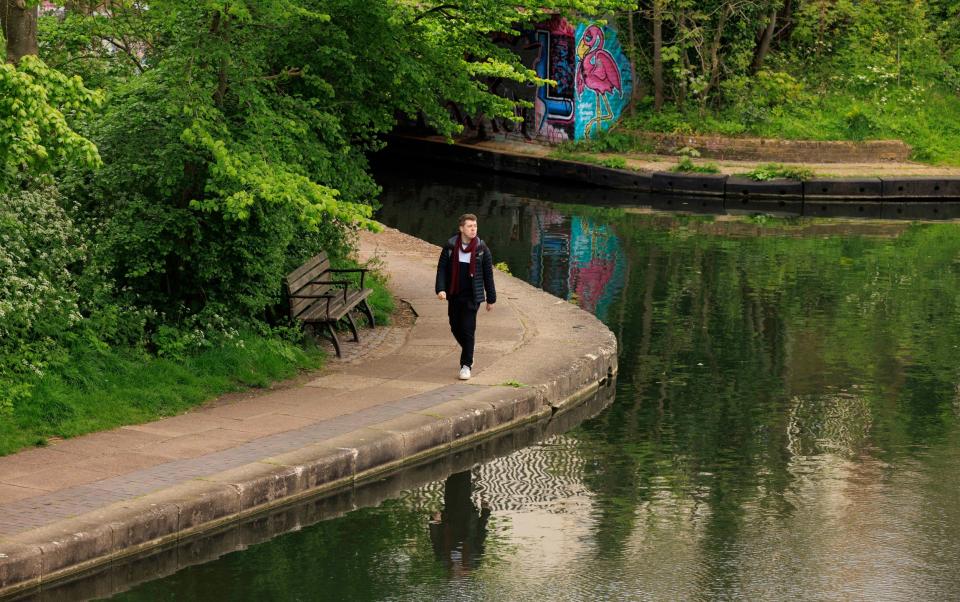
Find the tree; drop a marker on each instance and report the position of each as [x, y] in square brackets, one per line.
[18, 19]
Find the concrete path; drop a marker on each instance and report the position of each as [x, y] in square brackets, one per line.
[648, 162]
[84, 501]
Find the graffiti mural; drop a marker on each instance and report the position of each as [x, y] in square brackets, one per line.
[592, 84]
[554, 104]
[603, 80]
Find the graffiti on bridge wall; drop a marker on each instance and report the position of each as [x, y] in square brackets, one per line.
[604, 80]
[554, 105]
[592, 76]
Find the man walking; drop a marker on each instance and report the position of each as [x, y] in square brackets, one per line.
[464, 281]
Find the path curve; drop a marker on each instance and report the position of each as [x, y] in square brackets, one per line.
[83, 502]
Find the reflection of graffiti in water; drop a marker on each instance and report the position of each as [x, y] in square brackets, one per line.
[576, 258]
[596, 265]
[550, 252]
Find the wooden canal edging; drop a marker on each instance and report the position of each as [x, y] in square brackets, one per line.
[934, 197]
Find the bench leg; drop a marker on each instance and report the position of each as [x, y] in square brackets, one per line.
[366, 310]
[333, 337]
[353, 327]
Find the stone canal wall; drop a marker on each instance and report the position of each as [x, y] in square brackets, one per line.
[887, 197]
[767, 149]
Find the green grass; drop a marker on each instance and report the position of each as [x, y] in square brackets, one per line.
[686, 165]
[610, 141]
[94, 389]
[772, 171]
[612, 162]
[928, 120]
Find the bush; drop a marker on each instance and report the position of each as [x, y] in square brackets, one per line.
[38, 298]
[686, 165]
[859, 125]
[772, 171]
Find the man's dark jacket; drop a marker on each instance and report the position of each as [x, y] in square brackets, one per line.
[482, 280]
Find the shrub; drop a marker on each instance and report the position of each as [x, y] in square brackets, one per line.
[772, 171]
[859, 125]
[38, 298]
[686, 165]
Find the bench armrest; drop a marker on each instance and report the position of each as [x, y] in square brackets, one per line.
[344, 283]
[363, 272]
[324, 296]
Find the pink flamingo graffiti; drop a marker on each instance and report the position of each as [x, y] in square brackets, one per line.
[599, 72]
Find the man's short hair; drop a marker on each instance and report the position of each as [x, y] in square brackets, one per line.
[467, 217]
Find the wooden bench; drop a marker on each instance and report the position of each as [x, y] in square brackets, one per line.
[320, 301]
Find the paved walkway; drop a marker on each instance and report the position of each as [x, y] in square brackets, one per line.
[652, 163]
[402, 374]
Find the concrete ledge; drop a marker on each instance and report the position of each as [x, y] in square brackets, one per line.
[518, 164]
[770, 189]
[123, 574]
[20, 566]
[733, 189]
[261, 483]
[912, 188]
[677, 183]
[842, 188]
[370, 448]
[418, 433]
[69, 545]
[564, 170]
[620, 179]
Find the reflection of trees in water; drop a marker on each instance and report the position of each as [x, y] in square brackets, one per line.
[744, 346]
[532, 476]
[837, 423]
[729, 346]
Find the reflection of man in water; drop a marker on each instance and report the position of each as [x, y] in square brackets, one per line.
[459, 530]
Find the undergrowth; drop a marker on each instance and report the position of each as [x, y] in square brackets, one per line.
[773, 171]
[95, 387]
[686, 165]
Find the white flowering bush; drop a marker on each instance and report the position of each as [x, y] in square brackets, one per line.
[38, 299]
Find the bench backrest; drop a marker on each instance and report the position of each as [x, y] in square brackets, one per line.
[298, 283]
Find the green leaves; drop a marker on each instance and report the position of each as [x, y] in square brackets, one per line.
[36, 106]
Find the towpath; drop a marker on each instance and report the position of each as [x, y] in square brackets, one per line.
[81, 502]
[646, 162]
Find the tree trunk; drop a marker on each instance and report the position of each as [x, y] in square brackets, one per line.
[219, 28]
[657, 55]
[764, 46]
[633, 62]
[821, 26]
[715, 61]
[19, 25]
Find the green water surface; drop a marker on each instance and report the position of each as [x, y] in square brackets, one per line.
[785, 423]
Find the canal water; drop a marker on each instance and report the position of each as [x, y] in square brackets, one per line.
[785, 421]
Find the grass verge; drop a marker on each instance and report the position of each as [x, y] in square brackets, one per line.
[95, 389]
[927, 120]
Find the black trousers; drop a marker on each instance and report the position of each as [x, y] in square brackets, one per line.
[462, 312]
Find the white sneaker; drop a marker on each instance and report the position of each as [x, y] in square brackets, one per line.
[464, 372]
